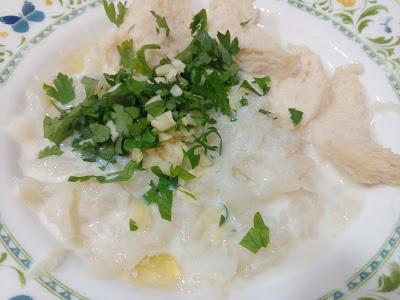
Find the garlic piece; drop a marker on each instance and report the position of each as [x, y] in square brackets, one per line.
[164, 121]
[137, 155]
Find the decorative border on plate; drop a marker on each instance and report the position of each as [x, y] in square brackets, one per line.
[19, 55]
[388, 68]
[369, 269]
[25, 261]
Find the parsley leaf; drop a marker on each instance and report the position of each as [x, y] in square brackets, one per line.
[161, 22]
[90, 85]
[225, 40]
[295, 116]
[224, 215]
[57, 130]
[244, 101]
[188, 193]
[101, 133]
[132, 225]
[202, 140]
[246, 85]
[139, 64]
[127, 55]
[264, 83]
[155, 108]
[193, 158]
[49, 151]
[63, 90]
[199, 22]
[122, 119]
[257, 237]
[124, 175]
[178, 171]
[243, 24]
[267, 113]
[115, 17]
[161, 194]
[147, 139]
[80, 178]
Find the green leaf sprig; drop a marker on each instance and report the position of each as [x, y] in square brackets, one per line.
[257, 237]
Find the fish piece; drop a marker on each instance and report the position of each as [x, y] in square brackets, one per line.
[342, 133]
[260, 53]
[306, 91]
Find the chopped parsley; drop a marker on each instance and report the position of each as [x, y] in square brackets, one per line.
[139, 63]
[49, 151]
[244, 101]
[132, 225]
[106, 126]
[199, 22]
[100, 133]
[257, 236]
[264, 83]
[295, 115]
[181, 173]
[243, 24]
[267, 113]
[63, 90]
[127, 55]
[115, 14]
[124, 175]
[161, 193]
[90, 85]
[247, 86]
[161, 22]
[224, 215]
[188, 193]
[193, 158]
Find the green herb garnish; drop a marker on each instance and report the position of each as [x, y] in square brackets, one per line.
[161, 193]
[193, 158]
[247, 86]
[127, 55]
[106, 127]
[267, 113]
[295, 116]
[124, 175]
[244, 101]
[161, 22]
[199, 22]
[224, 215]
[243, 24]
[49, 151]
[258, 236]
[179, 172]
[100, 133]
[90, 85]
[264, 83]
[115, 15]
[132, 225]
[63, 90]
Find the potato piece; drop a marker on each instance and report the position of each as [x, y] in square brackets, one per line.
[157, 270]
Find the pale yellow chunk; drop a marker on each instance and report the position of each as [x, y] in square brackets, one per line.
[141, 214]
[157, 271]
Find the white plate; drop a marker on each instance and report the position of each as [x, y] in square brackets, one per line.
[362, 262]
